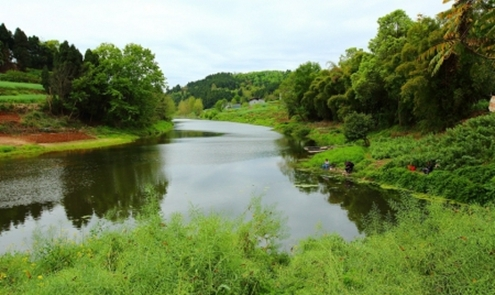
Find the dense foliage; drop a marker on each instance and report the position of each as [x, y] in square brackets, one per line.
[108, 85]
[238, 87]
[19, 52]
[428, 72]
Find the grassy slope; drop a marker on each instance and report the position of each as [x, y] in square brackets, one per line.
[18, 85]
[465, 154]
[25, 93]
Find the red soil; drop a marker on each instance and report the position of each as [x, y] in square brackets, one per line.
[5, 117]
[38, 137]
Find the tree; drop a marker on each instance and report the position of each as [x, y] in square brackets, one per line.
[357, 126]
[40, 55]
[45, 79]
[469, 26]
[443, 97]
[295, 86]
[377, 84]
[6, 43]
[20, 50]
[166, 108]
[68, 65]
[220, 105]
[197, 107]
[128, 84]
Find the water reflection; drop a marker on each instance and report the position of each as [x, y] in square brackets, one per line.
[85, 184]
[16, 216]
[357, 199]
[110, 180]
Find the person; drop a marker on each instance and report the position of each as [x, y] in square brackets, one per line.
[326, 165]
[429, 167]
[349, 166]
[411, 167]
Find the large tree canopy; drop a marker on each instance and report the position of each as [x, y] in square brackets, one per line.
[121, 87]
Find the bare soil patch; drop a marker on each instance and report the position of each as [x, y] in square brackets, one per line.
[43, 137]
[36, 137]
[7, 117]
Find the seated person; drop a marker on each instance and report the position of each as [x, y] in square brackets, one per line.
[326, 165]
[429, 167]
[349, 166]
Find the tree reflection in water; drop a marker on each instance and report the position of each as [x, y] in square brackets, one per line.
[117, 177]
[357, 199]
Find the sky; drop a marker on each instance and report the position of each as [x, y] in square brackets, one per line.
[192, 39]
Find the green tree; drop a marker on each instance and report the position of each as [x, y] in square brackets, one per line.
[20, 49]
[197, 107]
[6, 42]
[220, 105]
[166, 108]
[377, 83]
[295, 86]
[444, 95]
[40, 55]
[128, 84]
[45, 79]
[357, 126]
[468, 27]
[67, 68]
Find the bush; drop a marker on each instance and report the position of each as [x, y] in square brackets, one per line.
[357, 127]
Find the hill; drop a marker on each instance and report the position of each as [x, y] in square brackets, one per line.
[240, 87]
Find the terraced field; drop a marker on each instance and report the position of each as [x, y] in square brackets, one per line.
[14, 92]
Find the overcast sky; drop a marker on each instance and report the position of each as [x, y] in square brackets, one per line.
[195, 38]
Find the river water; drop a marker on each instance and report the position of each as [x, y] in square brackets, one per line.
[213, 166]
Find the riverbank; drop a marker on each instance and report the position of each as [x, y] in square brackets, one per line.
[20, 139]
[463, 157]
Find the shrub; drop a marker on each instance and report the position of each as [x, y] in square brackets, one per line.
[357, 127]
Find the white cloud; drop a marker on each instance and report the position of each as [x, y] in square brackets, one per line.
[192, 39]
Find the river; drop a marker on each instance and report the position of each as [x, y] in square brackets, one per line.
[213, 166]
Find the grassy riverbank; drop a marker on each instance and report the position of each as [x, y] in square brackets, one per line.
[97, 137]
[464, 155]
[432, 250]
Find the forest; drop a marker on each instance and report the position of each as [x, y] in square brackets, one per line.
[108, 85]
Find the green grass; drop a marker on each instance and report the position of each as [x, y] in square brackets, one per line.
[437, 249]
[338, 157]
[23, 98]
[104, 136]
[18, 85]
[268, 114]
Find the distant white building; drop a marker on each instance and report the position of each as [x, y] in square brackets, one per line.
[233, 106]
[256, 100]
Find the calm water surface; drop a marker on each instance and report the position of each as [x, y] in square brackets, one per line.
[214, 166]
